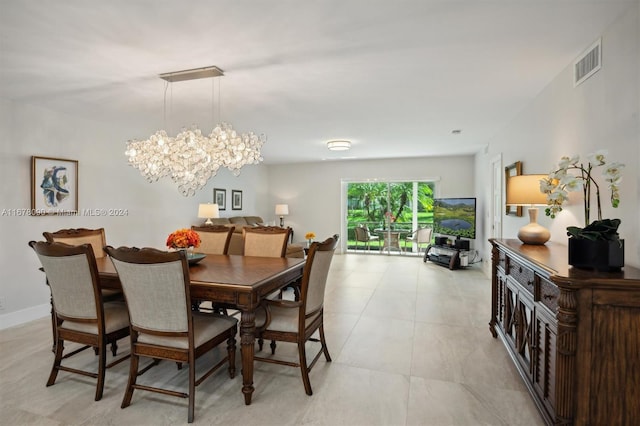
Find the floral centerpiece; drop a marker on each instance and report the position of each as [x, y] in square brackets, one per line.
[183, 239]
[309, 236]
[574, 175]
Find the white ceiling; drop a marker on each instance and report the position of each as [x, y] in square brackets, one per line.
[395, 77]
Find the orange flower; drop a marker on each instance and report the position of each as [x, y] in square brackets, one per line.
[183, 238]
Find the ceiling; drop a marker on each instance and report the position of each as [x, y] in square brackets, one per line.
[394, 77]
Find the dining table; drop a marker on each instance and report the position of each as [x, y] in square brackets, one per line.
[240, 282]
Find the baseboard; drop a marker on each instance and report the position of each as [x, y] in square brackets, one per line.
[25, 315]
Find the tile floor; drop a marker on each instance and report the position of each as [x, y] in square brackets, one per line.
[410, 346]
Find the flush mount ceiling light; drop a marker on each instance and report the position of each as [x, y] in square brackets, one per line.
[191, 158]
[339, 145]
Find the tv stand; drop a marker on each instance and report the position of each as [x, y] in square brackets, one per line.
[444, 255]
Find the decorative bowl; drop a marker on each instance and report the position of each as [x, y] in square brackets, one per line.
[194, 258]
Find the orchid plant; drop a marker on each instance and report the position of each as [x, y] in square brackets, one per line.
[573, 175]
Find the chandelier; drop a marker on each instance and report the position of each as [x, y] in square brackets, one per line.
[190, 158]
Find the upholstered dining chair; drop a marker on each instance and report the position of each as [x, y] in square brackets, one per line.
[265, 241]
[81, 315]
[420, 236]
[163, 326]
[363, 235]
[214, 239]
[76, 236]
[296, 321]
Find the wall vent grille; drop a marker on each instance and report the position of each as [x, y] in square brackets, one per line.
[588, 63]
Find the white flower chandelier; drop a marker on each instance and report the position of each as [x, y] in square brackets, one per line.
[191, 158]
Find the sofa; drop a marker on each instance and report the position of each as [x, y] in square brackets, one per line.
[236, 244]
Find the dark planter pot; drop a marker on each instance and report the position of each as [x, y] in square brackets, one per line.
[596, 255]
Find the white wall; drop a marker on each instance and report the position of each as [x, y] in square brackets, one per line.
[313, 190]
[601, 113]
[105, 181]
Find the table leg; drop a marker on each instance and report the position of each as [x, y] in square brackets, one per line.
[247, 348]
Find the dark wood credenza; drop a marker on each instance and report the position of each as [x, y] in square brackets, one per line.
[574, 335]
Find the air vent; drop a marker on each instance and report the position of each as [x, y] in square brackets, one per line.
[588, 63]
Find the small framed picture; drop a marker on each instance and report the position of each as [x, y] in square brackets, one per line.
[220, 198]
[514, 169]
[54, 186]
[236, 200]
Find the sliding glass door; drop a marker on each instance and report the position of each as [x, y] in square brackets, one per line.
[380, 215]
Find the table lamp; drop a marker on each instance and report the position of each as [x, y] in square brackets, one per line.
[524, 190]
[282, 210]
[208, 211]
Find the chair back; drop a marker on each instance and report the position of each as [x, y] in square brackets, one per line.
[78, 236]
[423, 235]
[73, 278]
[316, 271]
[156, 288]
[361, 233]
[265, 241]
[214, 239]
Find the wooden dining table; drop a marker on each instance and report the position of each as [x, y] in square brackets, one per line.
[240, 282]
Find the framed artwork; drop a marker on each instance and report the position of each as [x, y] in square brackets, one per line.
[54, 186]
[514, 169]
[236, 200]
[220, 198]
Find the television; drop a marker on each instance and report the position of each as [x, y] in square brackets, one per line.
[455, 217]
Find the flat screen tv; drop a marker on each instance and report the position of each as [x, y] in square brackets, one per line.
[455, 217]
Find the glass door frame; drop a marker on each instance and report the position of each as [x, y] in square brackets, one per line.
[344, 205]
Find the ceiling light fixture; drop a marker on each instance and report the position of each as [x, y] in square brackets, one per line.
[339, 145]
[191, 158]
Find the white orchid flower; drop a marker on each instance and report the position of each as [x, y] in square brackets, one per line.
[598, 158]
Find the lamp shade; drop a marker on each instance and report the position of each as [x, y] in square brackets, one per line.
[524, 190]
[282, 209]
[208, 211]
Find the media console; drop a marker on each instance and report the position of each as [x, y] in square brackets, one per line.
[446, 255]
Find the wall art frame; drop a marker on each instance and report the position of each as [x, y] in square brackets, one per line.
[220, 198]
[514, 169]
[54, 186]
[236, 199]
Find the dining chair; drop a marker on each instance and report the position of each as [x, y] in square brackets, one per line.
[420, 236]
[81, 314]
[297, 321]
[77, 236]
[163, 326]
[265, 241]
[363, 235]
[214, 239]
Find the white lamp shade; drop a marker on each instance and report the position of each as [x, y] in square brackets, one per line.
[524, 190]
[208, 211]
[282, 209]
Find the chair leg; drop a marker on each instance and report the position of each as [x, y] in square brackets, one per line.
[114, 348]
[323, 342]
[273, 347]
[101, 370]
[304, 369]
[231, 353]
[192, 388]
[133, 374]
[260, 343]
[56, 363]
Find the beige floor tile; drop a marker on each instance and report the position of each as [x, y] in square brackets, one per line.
[410, 346]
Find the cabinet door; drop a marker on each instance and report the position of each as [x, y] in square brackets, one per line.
[510, 313]
[525, 332]
[544, 377]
